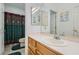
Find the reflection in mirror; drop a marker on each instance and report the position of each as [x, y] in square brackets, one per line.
[69, 23]
[44, 20]
[53, 25]
[53, 22]
[39, 20]
[62, 22]
[75, 14]
[35, 16]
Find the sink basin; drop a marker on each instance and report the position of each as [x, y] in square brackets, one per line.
[56, 42]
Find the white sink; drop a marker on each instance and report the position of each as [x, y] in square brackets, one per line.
[56, 42]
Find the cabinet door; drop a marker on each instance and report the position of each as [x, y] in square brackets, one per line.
[31, 42]
[38, 52]
[32, 45]
[44, 50]
[30, 52]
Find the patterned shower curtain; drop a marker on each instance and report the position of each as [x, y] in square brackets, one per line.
[14, 27]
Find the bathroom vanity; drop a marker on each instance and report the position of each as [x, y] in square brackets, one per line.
[37, 48]
[40, 44]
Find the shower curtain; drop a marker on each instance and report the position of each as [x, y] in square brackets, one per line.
[14, 27]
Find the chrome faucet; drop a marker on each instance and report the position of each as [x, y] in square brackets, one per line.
[57, 37]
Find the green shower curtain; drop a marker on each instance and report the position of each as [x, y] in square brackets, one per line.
[14, 28]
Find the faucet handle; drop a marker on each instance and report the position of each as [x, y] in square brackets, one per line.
[56, 37]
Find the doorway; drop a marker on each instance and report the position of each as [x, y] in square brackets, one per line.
[52, 22]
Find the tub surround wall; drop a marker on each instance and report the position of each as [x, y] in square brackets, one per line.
[1, 28]
[14, 9]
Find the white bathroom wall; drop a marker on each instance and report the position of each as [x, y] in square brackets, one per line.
[1, 28]
[75, 15]
[66, 27]
[14, 9]
[31, 28]
[28, 26]
[72, 23]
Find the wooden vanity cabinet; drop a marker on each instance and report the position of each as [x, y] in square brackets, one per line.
[44, 50]
[37, 48]
[32, 46]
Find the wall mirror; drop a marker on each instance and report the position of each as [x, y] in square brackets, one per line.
[35, 16]
[39, 20]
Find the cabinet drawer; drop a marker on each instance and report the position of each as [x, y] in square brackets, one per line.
[44, 50]
[31, 42]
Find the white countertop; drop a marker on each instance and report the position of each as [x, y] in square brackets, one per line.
[72, 48]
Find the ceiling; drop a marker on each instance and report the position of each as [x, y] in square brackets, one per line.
[56, 6]
[59, 6]
[17, 5]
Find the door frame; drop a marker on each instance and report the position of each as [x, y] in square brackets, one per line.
[53, 12]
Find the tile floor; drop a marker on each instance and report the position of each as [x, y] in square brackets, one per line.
[8, 50]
